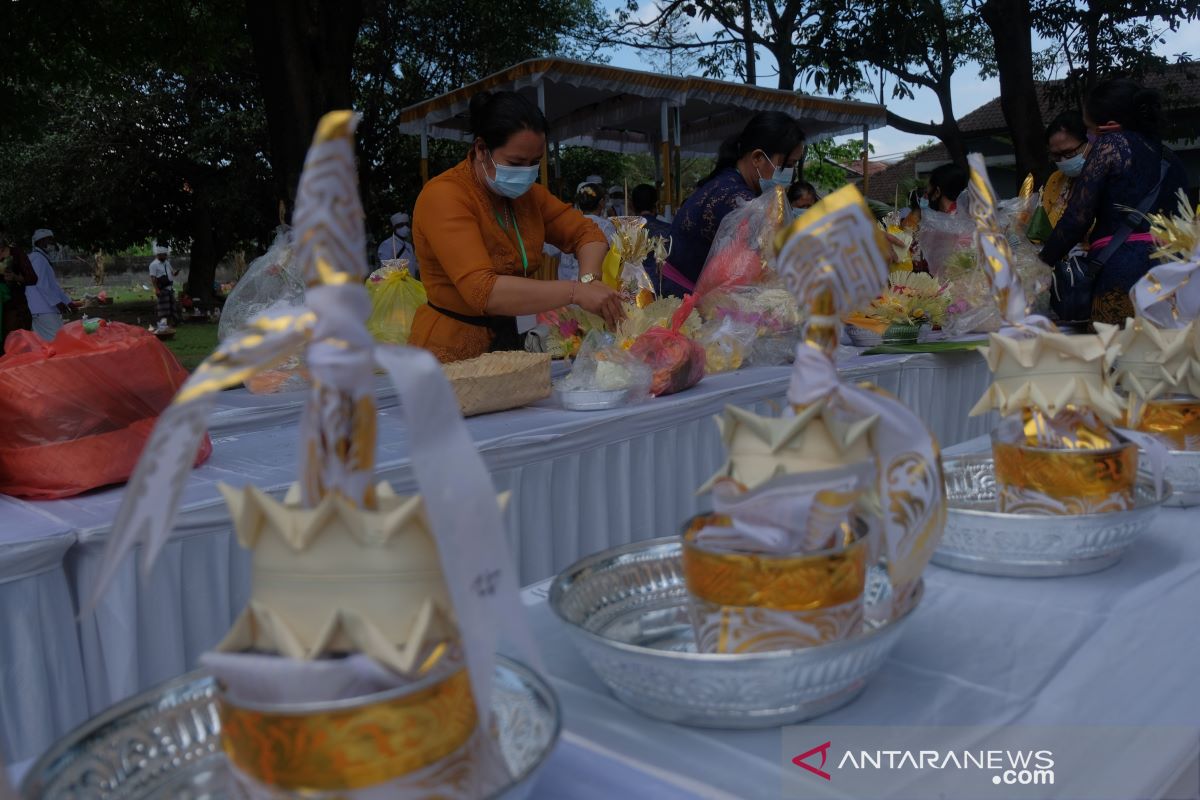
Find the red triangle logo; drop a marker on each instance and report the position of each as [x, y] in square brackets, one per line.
[823, 749]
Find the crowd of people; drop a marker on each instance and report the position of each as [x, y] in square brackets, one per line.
[30, 292]
[478, 225]
[481, 232]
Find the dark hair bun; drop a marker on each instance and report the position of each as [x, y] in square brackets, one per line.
[495, 116]
[477, 110]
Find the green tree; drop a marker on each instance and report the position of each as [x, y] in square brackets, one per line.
[827, 163]
[414, 51]
[126, 137]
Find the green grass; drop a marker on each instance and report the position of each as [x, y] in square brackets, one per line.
[193, 343]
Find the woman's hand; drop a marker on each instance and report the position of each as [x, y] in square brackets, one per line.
[599, 298]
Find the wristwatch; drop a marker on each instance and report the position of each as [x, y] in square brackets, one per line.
[587, 278]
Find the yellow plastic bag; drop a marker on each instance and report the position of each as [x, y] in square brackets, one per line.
[395, 297]
[611, 272]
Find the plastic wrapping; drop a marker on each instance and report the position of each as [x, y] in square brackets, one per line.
[272, 278]
[727, 344]
[943, 239]
[972, 308]
[604, 366]
[566, 328]
[658, 314]
[272, 281]
[742, 253]
[631, 245]
[769, 308]
[81, 408]
[395, 297]
[677, 361]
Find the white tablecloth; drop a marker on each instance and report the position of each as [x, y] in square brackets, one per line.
[1118, 647]
[41, 669]
[581, 483]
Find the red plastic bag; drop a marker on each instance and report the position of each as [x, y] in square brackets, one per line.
[736, 263]
[80, 409]
[677, 361]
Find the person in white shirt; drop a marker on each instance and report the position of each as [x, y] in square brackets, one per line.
[47, 301]
[162, 278]
[590, 200]
[397, 245]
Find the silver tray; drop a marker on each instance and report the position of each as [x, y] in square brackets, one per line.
[626, 609]
[980, 539]
[1183, 473]
[591, 400]
[166, 743]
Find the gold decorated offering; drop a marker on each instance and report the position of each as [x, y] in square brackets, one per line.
[782, 561]
[1159, 366]
[624, 267]
[1040, 480]
[363, 664]
[1055, 450]
[756, 602]
[1173, 420]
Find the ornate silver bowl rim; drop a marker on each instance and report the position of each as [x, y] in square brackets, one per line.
[175, 693]
[671, 545]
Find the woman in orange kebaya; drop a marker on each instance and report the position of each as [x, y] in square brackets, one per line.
[478, 230]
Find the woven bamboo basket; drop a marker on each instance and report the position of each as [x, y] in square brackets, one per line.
[499, 381]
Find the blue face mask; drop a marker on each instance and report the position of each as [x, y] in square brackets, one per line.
[512, 182]
[781, 176]
[923, 202]
[1073, 166]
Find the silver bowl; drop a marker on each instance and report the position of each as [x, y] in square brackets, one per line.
[980, 539]
[863, 337]
[1183, 472]
[591, 399]
[166, 743]
[626, 609]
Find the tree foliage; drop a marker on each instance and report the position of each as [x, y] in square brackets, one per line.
[123, 136]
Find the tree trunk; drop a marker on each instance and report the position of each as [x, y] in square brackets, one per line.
[205, 255]
[1011, 25]
[947, 132]
[747, 37]
[304, 50]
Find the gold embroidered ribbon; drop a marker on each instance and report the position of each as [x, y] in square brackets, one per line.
[351, 748]
[785, 583]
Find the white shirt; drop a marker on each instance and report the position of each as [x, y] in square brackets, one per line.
[395, 247]
[45, 295]
[163, 269]
[568, 264]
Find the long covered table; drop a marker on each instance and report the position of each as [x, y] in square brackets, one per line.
[581, 483]
[1115, 648]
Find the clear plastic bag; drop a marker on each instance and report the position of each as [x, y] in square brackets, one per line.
[972, 307]
[272, 278]
[603, 366]
[769, 308]
[727, 344]
[743, 252]
[395, 297]
[943, 238]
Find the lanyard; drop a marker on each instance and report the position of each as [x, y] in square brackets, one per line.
[520, 241]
